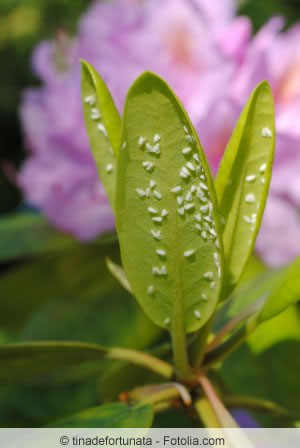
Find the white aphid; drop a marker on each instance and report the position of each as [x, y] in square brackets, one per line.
[156, 148]
[159, 270]
[176, 189]
[216, 255]
[90, 99]
[212, 285]
[186, 150]
[150, 290]
[266, 132]
[247, 219]
[213, 232]
[217, 244]
[197, 314]
[140, 192]
[198, 227]
[150, 166]
[189, 138]
[141, 141]
[208, 218]
[204, 208]
[185, 129]
[124, 145]
[208, 275]
[152, 210]
[164, 212]
[198, 217]
[152, 183]
[262, 168]
[109, 167]
[196, 157]
[203, 186]
[157, 219]
[95, 114]
[161, 252]
[204, 297]
[262, 180]
[203, 199]
[202, 177]
[204, 235]
[193, 188]
[156, 234]
[147, 192]
[189, 196]
[250, 198]
[181, 211]
[188, 253]
[102, 129]
[157, 194]
[179, 200]
[189, 206]
[156, 138]
[190, 166]
[200, 193]
[250, 178]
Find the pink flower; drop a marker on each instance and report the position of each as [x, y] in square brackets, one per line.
[209, 58]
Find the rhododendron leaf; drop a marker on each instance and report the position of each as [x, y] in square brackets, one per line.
[112, 415]
[103, 125]
[118, 273]
[166, 209]
[243, 179]
[23, 361]
[285, 292]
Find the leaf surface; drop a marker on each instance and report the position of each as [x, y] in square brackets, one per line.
[243, 180]
[103, 125]
[166, 209]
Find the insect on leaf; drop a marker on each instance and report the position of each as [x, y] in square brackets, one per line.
[243, 180]
[103, 125]
[166, 213]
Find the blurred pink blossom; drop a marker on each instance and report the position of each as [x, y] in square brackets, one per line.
[208, 56]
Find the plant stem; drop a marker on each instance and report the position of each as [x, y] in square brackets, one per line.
[221, 412]
[223, 350]
[206, 413]
[179, 345]
[244, 401]
[197, 348]
[142, 359]
[161, 392]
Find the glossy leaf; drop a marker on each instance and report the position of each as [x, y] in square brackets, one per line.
[243, 179]
[166, 209]
[103, 125]
[29, 234]
[113, 415]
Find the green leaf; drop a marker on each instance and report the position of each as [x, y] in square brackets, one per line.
[285, 293]
[22, 361]
[28, 234]
[243, 180]
[171, 251]
[113, 415]
[25, 361]
[103, 125]
[118, 273]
